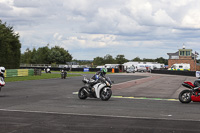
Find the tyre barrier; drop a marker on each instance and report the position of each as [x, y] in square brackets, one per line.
[18, 72]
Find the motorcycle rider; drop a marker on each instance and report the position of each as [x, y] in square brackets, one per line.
[96, 78]
[2, 71]
[63, 73]
[47, 69]
[100, 74]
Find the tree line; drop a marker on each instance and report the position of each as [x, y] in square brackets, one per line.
[57, 55]
[108, 59]
[120, 59]
[159, 60]
[46, 55]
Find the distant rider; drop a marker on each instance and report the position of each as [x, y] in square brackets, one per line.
[63, 73]
[2, 71]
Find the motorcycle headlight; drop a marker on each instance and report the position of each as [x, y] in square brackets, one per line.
[107, 83]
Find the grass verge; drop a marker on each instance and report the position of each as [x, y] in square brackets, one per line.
[43, 76]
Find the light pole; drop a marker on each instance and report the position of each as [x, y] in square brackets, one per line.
[195, 61]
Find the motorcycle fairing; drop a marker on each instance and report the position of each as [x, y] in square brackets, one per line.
[196, 98]
[188, 85]
[2, 82]
[98, 88]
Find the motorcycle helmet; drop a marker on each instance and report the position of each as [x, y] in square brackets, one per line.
[2, 69]
[104, 71]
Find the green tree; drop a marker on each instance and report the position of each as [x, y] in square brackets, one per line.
[108, 59]
[137, 59]
[98, 61]
[54, 56]
[148, 60]
[162, 60]
[27, 56]
[10, 47]
[120, 59]
[83, 62]
[59, 55]
[34, 56]
[44, 55]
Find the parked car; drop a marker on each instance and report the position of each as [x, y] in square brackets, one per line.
[141, 68]
[130, 69]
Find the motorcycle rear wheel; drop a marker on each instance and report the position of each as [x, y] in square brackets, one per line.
[82, 94]
[185, 96]
[105, 95]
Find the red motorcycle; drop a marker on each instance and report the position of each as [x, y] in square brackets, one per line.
[193, 94]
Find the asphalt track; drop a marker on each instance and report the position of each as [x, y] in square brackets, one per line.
[141, 103]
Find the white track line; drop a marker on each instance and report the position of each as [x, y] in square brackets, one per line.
[91, 115]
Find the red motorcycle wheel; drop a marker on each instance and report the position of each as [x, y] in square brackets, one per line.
[185, 96]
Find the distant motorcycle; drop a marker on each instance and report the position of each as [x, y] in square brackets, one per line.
[2, 82]
[193, 94]
[101, 89]
[63, 74]
[47, 70]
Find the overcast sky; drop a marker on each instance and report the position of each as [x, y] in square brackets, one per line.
[91, 28]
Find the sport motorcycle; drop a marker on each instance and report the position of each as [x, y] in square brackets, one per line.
[100, 89]
[190, 94]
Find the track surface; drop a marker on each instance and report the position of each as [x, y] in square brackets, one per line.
[49, 106]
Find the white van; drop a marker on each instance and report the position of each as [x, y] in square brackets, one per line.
[141, 68]
[180, 67]
[130, 69]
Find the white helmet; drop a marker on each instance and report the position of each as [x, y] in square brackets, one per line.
[2, 70]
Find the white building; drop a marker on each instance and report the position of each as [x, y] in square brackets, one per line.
[137, 65]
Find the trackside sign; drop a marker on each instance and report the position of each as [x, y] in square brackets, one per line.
[197, 74]
[86, 70]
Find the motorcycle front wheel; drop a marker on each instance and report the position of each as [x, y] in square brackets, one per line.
[105, 94]
[82, 94]
[185, 96]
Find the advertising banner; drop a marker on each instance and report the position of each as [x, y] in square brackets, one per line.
[197, 74]
[86, 70]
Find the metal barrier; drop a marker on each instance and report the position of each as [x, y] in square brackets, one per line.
[116, 70]
[184, 73]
